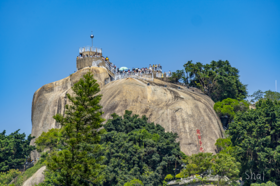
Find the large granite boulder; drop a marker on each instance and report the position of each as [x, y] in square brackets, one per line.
[187, 112]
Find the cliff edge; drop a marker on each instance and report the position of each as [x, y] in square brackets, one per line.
[187, 112]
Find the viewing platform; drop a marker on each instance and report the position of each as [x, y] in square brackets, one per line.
[92, 56]
[90, 51]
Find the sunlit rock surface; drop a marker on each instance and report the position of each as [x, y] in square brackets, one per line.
[36, 178]
[184, 111]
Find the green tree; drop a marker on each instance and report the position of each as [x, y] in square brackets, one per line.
[274, 96]
[51, 139]
[77, 163]
[203, 164]
[196, 164]
[256, 96]
[14, 150]
[177, 76]
[7, 177]
[219, 80]
[167, 178]
[224, 165]
[137, 149]
[228, 108]
[255, 135]
[224, 145]
[134, 182]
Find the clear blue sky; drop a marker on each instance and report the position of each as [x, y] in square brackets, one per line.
[39, 41]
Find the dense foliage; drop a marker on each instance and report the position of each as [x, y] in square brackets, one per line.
[134, 182]
[224, 165]
[274, 96]
[196, 164]
[205, 164]
[137, 149]
[50, 140]
[228, 108]
[7, 177]
[20, 179]
[219, 80]
[255, 137]
[224, 145]
[269, 183]
[257, 95]
[14, 150]
[177, 76]
[76, 163]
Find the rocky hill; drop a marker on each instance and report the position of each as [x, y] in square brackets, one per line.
[181, 110]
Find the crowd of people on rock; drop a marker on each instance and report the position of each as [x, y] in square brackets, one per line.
[144, 70]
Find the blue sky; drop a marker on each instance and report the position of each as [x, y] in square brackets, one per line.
[39, 42]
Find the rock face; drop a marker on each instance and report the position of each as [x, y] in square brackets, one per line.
[181, 110]
[36, 178]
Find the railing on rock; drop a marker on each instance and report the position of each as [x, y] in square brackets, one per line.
[87, 49]
[110, 67]
[138, 75]
[159, 75]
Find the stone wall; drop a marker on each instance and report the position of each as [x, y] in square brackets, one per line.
[87, 61]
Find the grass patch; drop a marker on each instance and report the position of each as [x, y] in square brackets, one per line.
[28, 173]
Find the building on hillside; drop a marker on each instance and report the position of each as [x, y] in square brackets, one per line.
[89, 56]
[92, 56]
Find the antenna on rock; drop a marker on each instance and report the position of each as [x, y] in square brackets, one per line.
[91, 36]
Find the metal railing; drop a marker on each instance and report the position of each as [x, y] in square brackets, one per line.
[132, 75]
[93, 49]
[110, 67]
[159, 75]
[156, 68]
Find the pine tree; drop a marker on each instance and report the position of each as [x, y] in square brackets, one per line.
[77, 164]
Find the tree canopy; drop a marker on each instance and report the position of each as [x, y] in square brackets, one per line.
[134, 148]
[204, 164]
[228, 108]
[51, 139]
[177, 76]
[255, 137]
[223, 165]
[257, 95]
[14, 150]
[219, 80]
[196, 164]
[77, 164]
[274, 96]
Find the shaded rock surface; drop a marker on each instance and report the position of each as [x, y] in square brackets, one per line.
[36, 178]
[179, 110]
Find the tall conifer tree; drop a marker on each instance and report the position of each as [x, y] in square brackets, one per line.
[77, 164]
